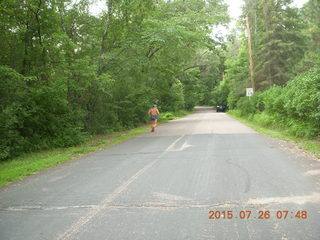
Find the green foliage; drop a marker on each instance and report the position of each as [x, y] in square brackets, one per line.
[277, 40]
[295, 107]
[236, 77]
[285, 45]
[66, 74]
[274, 101]
[311, 34]
[220, 94]
[32, 118]
[302, 98]
[166, 116]
[192, 88]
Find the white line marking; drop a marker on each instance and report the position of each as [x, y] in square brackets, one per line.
[170, 148]
[87, 218]
[75, 228]
[184, 146]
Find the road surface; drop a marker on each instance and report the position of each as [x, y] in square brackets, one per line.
[166, 185]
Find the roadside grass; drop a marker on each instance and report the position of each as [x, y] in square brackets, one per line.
[167, 116]
[209, 106]
[31, 163]
[309, 145]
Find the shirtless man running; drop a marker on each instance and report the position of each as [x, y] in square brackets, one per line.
[153, 113]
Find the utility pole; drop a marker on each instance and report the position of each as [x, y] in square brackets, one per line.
[253, 83]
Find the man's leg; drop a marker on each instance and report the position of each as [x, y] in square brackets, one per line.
[153, 126]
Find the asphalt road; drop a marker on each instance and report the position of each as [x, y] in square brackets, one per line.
[163, 185]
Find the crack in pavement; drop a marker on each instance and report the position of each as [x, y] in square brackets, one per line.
[252, 202]
[247, 175]
[132, 153]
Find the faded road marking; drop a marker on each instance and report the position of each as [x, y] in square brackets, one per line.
[313, 172]
[171, 197]
[171, 146]
[57, 178]
[185, 145]
[313, 198]
[75, 228]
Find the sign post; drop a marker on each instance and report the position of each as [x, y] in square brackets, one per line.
[253, 83]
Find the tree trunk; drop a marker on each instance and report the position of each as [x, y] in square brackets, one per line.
[26, 61]
[106, 30]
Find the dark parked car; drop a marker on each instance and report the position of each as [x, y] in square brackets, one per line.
[221, 108]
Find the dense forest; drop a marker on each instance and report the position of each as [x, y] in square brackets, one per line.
[286, 58]
[66, 73]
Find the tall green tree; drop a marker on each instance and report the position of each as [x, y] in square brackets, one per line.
[76, 74]
[311, 21]
[278, 43]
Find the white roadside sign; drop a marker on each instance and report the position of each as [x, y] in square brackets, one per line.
[249, 92]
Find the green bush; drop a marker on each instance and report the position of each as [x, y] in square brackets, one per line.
[265, 120]
[252, 105]
[294, 107]
[220, 94]
[232, 101]
[302, 97]
[166, 116]
[273, 100]
[33, 118]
